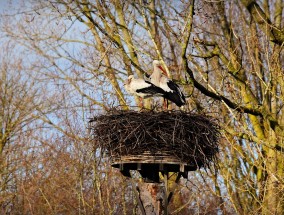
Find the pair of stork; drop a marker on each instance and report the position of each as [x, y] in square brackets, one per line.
[156, 84]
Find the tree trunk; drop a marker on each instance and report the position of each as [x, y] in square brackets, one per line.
[151, 195]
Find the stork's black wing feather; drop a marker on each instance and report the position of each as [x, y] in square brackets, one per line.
[176, 95]
[146, 75]
[173, 86]
[152, 89]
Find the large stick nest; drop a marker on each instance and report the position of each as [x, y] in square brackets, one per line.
[191, 138]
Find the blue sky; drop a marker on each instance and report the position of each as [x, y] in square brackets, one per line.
[6, 5]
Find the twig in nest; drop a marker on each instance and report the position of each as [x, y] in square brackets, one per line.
[191, 138]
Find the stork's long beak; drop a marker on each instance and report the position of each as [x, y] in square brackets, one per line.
[164, 71]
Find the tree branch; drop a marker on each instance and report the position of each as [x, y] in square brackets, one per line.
[276, 35]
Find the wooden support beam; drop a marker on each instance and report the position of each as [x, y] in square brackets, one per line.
[174, 187]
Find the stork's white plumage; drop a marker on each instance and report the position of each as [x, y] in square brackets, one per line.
[142, 88]
[157, 73]
[159, 78]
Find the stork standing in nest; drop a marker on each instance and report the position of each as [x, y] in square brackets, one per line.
[160, 78]
[142, 88]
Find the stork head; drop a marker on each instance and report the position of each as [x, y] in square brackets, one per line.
[130, 77]
[158, 64]
[128, 80]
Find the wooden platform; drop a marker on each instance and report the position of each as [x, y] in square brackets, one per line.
[150, 165]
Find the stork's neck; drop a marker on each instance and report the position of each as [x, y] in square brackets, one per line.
[156, 75]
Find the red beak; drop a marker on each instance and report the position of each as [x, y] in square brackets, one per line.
[161, 68]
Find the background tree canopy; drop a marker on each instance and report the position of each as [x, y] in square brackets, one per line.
[63, 61]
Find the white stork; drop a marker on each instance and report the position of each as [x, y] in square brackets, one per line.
[159, 78]
[142, 88]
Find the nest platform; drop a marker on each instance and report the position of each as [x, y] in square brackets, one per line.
[153, 142]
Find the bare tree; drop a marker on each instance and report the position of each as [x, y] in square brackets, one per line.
[228, 56]
[21, 99]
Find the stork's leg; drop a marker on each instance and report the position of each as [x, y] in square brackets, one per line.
[140, 102]
[165, 104]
